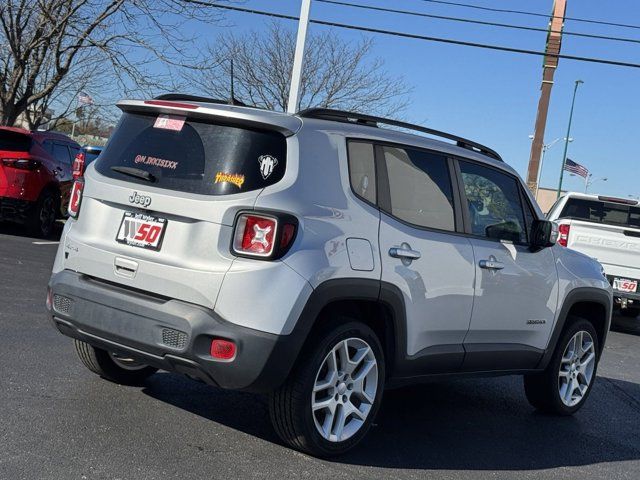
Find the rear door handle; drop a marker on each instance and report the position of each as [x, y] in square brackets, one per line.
[405, 253]
[491, 264]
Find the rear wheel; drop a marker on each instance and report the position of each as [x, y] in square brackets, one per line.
[329, 401]
[43, 215]
[564, 386]
[112, 366]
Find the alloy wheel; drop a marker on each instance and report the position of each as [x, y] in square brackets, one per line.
[577, 368]
[344, 390]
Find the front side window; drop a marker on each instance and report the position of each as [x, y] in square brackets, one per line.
[493, 203]
[420, 188]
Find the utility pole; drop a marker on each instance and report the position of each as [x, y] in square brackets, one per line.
[566, 140]
[550, 63]
[296, 73]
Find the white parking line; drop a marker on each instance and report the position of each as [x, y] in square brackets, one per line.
[45, 243]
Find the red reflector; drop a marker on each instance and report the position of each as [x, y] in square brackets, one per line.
[288, 232]
[76, 197]
[223, 349]
[78, 165]
[563, 234]
[166, 103]
[255, 235]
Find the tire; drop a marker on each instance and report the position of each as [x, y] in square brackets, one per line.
[629, 312]
[290, 406]
[43, 215]
[547, 391]
[110, 367]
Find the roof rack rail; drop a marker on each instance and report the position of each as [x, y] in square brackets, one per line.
[196, 98]
[373, 121]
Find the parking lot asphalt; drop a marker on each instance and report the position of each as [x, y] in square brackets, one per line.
[59, 421]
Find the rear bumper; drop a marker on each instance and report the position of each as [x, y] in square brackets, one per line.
[14, 209]
[168, 334]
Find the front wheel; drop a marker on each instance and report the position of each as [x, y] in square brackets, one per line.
[329, 401]
[114, 367]
[564, 386]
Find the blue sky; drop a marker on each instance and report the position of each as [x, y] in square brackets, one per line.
[492, 96]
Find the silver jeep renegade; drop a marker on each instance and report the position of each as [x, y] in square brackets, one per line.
[320, 258]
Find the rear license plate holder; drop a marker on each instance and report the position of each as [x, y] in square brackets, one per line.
[141, 230]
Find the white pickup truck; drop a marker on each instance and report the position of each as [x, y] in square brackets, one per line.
[607, 229]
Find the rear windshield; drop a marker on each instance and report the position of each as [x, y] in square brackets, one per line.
[602, 212]
[90, 157]
[14, 142]
[194, 156]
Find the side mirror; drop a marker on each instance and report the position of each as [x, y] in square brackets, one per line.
[543, 234]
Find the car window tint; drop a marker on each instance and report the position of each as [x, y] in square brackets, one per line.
[362, 173]
[493, 203]
[420, 188]
[61, 153]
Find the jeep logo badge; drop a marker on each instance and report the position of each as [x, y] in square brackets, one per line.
[142, 200]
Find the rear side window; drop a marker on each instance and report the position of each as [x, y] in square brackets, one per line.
[420, 188]
[194, 156]
[493, 202]
[61, 153]
[362, 172]
[14, 142]
[598, 211]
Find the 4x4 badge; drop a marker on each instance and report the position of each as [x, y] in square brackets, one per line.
[267, 164]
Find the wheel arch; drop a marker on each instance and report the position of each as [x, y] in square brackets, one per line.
[590, 303]
[377, 304]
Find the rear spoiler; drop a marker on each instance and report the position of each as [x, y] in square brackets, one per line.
[288, 125]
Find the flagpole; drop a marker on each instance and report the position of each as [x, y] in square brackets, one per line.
[566, 139]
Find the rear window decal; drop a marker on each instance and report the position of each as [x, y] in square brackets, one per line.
[169, 122]
[267, 164]
[236, 178]
[156, 162]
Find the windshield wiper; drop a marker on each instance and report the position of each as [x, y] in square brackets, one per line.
[135, 172]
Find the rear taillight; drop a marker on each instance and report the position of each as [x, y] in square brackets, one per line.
[21, 163]
[563, 234]
[76, 197]
[78, 165]
[263, 236]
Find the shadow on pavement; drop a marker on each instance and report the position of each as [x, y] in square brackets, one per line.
[461, 424]
[626, 324]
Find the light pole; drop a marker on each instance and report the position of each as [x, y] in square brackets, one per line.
[566, 141]
[545, 147]
[296, 72]
[589, 180]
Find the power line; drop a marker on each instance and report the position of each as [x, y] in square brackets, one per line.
[533, 14]
[418, 37]
[479, 22]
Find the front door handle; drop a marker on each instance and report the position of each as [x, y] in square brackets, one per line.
[491, 264]
[405, 253]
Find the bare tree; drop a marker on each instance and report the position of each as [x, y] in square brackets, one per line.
[336, 74]
[46, 47]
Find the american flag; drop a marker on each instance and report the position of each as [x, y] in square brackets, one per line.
[85, 99]
[573, 167]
